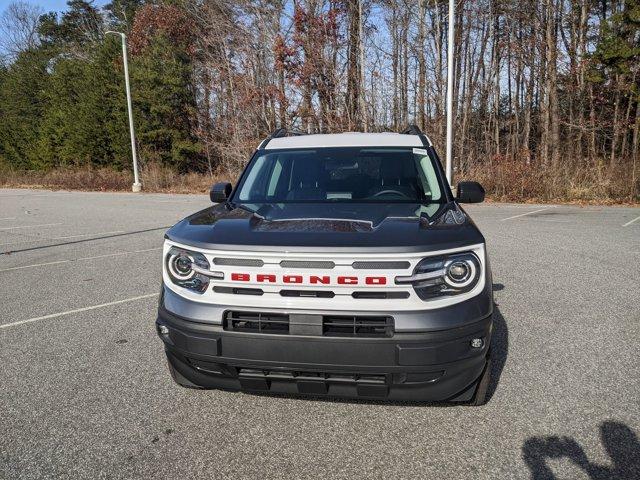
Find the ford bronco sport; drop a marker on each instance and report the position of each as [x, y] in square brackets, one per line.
[340, 265]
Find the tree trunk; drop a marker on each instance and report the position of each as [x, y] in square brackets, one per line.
[353, 66]
[422, 69]
[552, 86]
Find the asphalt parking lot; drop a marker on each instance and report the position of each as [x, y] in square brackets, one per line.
[85, 392]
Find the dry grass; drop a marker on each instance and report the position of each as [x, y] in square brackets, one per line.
[153, 177]
[503, 180]
[515, 181]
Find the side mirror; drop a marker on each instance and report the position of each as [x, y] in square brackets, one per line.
[470, 192]
[220, 192]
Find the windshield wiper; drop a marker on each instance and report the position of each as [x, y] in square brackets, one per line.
[246, 209]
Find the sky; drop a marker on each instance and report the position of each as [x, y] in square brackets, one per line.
[45, 6]
[49, 5]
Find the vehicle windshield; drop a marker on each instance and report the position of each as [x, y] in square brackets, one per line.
[352, 175]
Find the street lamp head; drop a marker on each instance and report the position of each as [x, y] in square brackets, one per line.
[115, 33]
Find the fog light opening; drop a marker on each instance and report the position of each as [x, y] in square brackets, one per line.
[162, 330]
[477, 343]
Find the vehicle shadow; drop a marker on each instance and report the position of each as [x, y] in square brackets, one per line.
[620, 442]
[499, 346]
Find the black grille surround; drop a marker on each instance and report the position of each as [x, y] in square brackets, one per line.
[354, 326]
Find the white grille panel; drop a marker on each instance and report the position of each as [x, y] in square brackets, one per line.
[309, 271]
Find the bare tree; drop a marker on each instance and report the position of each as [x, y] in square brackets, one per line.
[528, 95]
[19, 28]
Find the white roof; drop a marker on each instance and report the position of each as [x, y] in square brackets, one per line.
[349, 139]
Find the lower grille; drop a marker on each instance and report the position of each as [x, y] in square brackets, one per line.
[357, 326]
[251, 322]
[314, 383]
[332, 325]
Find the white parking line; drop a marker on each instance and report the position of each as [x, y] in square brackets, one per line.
[632, 221]
[117, 254]
[8, 218]
[77, 310]
[35, 265]
[548, 220]
[31, 226]
[528, 213]
[33, 196]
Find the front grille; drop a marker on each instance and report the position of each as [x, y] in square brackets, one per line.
[238, 262]
[357, 326]
[332, 325]
[252, 322]
[306, 264]
[380, 265]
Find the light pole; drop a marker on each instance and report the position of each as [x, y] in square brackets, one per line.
[450, 93]
[137, 186]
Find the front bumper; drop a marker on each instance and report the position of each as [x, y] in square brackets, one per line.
[416, 366]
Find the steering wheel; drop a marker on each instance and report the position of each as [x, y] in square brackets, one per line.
[385, 192]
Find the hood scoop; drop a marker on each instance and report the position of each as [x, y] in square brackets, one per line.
[328, 217]
[310, 225]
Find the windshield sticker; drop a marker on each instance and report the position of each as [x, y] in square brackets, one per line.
[420, 151]
[340, 195]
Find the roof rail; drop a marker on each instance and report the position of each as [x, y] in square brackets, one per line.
[413, 129]
[279, 133]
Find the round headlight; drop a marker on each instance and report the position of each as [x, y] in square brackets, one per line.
[460, 273]
[180, 266]
[444, 275]
[185, 267]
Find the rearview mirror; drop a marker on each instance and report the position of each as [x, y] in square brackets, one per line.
[470, 192]
[220, 192]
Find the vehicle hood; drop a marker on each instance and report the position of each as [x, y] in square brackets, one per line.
[340, 226]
